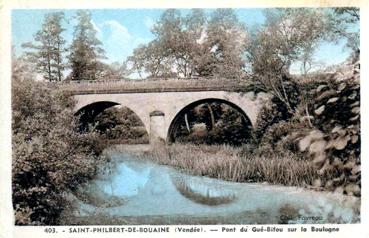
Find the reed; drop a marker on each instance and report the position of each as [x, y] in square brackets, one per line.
[229, 163]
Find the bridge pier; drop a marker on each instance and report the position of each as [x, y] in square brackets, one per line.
[157, 128]
[158, 109]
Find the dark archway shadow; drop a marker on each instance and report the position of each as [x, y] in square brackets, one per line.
[116, 123]
[176, 122]
[88, 113]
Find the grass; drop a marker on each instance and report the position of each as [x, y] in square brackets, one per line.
[231, 164]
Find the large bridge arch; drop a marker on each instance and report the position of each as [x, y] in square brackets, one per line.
[249, 103]
[173, 126]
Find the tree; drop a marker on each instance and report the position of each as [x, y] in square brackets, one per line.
[86, 49]
[344, 24]
[137, 60]
[49, 50]
[195, 24]
[151, 59]
[192, 45]
[289, 35]
[227, 40]
[173, 42]
[169, 54]
[49, 156]
[111, 72]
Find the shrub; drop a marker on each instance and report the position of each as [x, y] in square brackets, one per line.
[324, 130]
[223, 125]
[49, 156]
[269, 115]
[334, 142]
[121, 125]
[277, 111]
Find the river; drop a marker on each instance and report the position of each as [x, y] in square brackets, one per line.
[131, 190]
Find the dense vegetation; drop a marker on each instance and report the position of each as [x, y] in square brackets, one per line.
[49, 156]
[237, 164]
[324, 129]
[120, 125]
[317, 146]
[212, 123]
[200, 43]
[308, 135]
[51, 57]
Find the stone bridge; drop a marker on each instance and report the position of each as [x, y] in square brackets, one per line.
[159, 103]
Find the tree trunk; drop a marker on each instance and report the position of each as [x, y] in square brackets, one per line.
[49, 65]
[212, 119]
[59, 63]
[187, 124]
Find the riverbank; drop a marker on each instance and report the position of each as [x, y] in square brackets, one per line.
[160, 194]
[229, 163]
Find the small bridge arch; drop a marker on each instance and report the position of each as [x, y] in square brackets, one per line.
[88, 112]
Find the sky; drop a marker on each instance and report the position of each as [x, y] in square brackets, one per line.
[122, 30]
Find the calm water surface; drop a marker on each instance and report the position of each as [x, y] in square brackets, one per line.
[136, 191]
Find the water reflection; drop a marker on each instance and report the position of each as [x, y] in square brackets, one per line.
[132, 181]
[203, 193]
[143, 192]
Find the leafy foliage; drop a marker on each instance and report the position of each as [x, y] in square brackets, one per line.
[193, 45]
[325, 130]
[85, 51]
[343, 23]
[213, 123]
[334, 141]
[288, 36]
[49, 156]
[48, 53]
[121, 125]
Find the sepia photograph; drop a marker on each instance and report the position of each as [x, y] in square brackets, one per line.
[185, 116]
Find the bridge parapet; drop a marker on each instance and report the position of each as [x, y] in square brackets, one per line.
[152, 85]
[158, 102]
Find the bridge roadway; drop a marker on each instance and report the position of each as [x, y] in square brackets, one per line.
[160, 103]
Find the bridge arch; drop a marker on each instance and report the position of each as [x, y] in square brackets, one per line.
[88, 112]
[175, 122]
[171, 103]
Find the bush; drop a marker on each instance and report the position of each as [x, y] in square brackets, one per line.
[49, 156]
[334, 142]
[121, 125]
[324, 130]
[277, 111]
[269, 115]
[228, 127]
